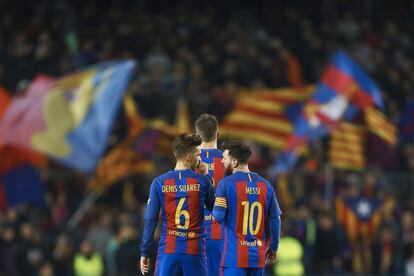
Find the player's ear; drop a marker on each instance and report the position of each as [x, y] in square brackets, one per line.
[218, 135]
[235, 163]
[188, 157]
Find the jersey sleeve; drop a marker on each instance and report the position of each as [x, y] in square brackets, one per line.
[151, 220]
[274, 209]
[210, 197]
[274, 221]
[220, 205]
[274, 225]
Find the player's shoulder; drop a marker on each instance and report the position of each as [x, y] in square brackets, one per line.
[229, 179]
[202, 179]
[261, 179]
[217, 153]
[213, 152]
[164, 176]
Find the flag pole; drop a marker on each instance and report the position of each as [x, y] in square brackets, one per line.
[86, 204]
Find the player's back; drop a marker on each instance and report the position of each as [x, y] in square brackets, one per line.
[249, 200]
[182, 195]
[213, 158]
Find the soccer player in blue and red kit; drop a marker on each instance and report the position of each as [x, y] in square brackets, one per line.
[180, 195]
[207, 127]
[247, 204]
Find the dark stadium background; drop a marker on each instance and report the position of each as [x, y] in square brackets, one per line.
[205, 52]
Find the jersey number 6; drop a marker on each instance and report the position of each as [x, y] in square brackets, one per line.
[180, 212]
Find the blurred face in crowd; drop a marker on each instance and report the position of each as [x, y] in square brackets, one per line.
[386, 235]
[8, 234]
[407, 220]
[326, 222]
[86, 248]
[26, 231]
[303, 212]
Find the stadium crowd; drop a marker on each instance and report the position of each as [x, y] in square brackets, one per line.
[206, 53]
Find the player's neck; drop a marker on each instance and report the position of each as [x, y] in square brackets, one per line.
[241, 168]
[181, 166]
[209, 145]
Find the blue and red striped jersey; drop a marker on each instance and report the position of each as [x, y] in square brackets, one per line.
[180, 195]
[213, 157]
[249, 203]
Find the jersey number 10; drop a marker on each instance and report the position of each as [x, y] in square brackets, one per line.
[248, 216]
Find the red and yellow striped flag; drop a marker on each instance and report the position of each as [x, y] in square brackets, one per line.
[260, 115]
[135, 121]
[380, 125]
[346, 148]
[182, 117]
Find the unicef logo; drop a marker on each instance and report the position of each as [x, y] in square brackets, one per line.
[259, 243]
[191, 234]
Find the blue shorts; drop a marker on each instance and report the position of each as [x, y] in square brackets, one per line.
[180, 264]
[213, 251]
[240, 271]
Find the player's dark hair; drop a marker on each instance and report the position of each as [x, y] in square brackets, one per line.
[185, 144]
[207, 126]
[238, 150]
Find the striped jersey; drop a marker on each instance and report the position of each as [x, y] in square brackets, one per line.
[213, 157]
[180, 195]
[249, 202]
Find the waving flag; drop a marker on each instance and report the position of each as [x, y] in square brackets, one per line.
[380, 125]
[358, 216]
[12, 156]
[21, 184]
[343, 91]
[4, 100]
[132, 155]
[135, 122]
[347, 147]
[68, 119]
[264, 116]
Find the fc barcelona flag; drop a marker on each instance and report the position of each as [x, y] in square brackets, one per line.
[343, 90]
[68, 119]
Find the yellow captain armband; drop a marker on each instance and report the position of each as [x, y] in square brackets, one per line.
[221, 202]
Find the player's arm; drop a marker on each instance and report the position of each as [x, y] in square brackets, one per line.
[210, 197]
[274, 229]
[220, 205]
[151, 219]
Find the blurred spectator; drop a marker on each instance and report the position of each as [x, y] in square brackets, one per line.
[127, 254]
[87, 261]
[305, 230]
[30, 254]
[383, 253]
[100, 233]
[60, 211]
[46, 270]
[63, 256]
[290, 254]
[208, 52]
[328, 251]
[407, 236]
[8, 251]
